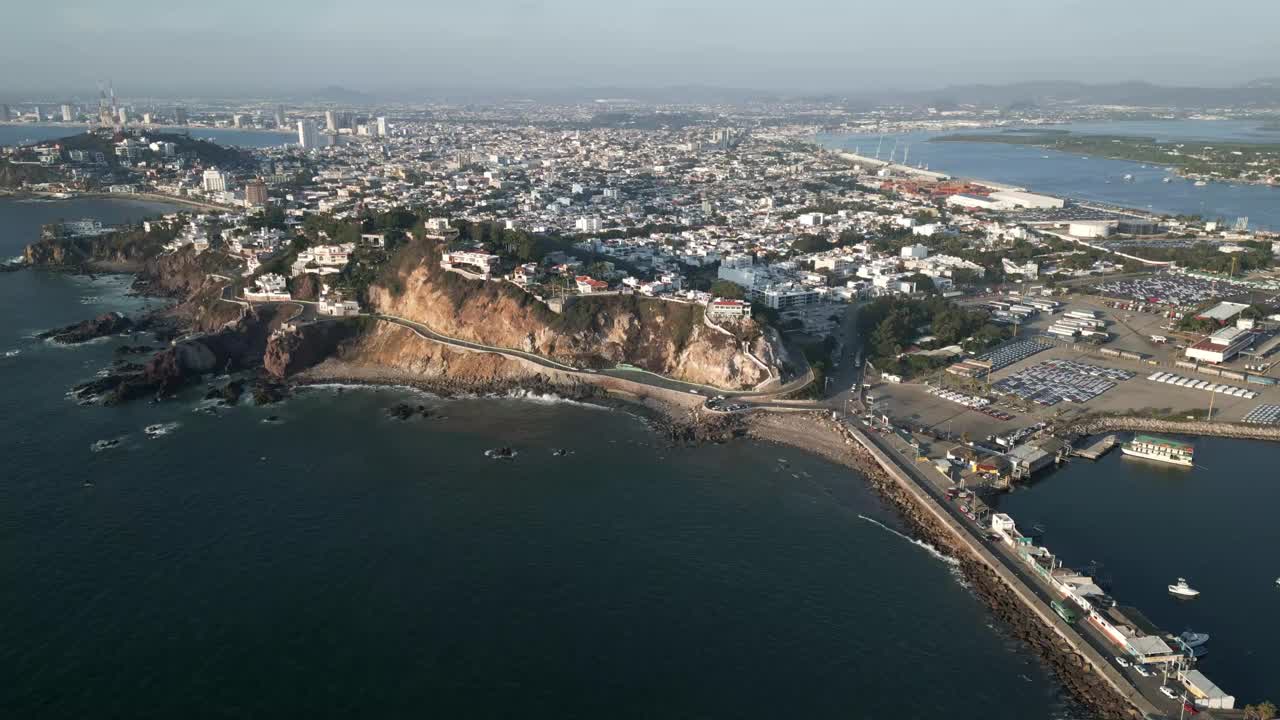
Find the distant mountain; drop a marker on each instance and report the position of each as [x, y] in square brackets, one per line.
[336, 93]
[1265, 92]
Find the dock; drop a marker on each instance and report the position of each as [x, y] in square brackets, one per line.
[1097, 449]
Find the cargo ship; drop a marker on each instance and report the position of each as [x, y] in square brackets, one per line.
[1159, 449]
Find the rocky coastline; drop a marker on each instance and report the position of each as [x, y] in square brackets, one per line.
[816, 433]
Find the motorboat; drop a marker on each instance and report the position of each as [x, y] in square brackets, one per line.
[1194, 639]
[1182, 589]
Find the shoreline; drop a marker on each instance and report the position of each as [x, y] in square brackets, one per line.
[819, 435]
[94, 194]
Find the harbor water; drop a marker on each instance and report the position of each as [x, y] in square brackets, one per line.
[1147, 523]
[318, 559]
[1091, 178]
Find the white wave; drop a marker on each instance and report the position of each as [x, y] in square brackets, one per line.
[160, 429]
[336, 386]
[935, 552]
[12, 353]
[546, 399]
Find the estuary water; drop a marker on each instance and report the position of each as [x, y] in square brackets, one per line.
[1090, 178]
[318, 559]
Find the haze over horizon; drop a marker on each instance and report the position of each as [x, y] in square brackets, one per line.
[804, 46]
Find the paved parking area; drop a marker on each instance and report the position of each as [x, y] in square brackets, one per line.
[1265, 414]
[1053, 381]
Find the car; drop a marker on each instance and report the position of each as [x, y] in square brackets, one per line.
[1122, 662]
[1168, 692]
[1190, 708]
[1141, 670]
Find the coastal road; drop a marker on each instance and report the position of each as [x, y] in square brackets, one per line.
[1146, 689]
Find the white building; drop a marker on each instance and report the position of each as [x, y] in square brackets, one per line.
[1221, 346]
[269, 288]
[811, 219]
[915, 252]
[214, 181]
[1091, 228]
[1019, 199]
[587, 224]
[382, 126]
[482, 263]
[308, 135]
[722, 309]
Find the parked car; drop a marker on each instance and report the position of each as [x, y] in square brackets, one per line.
[1122, 662]
[1168, 692]
[1141, 670]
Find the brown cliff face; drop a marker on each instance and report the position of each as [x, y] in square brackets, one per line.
[291, 352]
[663, 337]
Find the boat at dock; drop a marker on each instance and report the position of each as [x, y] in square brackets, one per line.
[1150, 447]
[1194, 639]
[1182, 589]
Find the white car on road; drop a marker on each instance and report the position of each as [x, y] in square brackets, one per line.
[1168, 692]
[1122, 662]
[1141, 670]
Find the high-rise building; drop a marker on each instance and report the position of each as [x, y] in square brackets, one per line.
[255, 193]
[67, 115]
[237, 120]
[308, 136]
[4, 113]
[180, 116]
[147, 118]
[124, 116]
[39, 116]
[330, 121]
[279, 116]
[214, 181]
[382, 126]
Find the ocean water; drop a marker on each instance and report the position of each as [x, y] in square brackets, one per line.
[1090, 178]
[1148, 524]
[337, 563]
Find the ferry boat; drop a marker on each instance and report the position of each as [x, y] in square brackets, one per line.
[1159, 449]
[1063, 611]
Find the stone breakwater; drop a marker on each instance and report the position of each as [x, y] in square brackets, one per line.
[1118, 423]
[817, 433]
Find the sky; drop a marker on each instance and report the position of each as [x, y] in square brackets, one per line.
[799, 46]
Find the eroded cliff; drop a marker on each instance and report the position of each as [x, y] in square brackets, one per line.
[669, 338]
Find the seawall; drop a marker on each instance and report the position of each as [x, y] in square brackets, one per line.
[1083, 672]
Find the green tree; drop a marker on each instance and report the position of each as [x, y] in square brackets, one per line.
[726, 289]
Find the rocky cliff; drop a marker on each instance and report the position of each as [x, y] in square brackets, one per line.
[664, 337]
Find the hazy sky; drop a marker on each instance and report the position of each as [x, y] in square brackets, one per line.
[787, 45]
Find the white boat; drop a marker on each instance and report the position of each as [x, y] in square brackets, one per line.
[1201, 183]
[1160, 449]
[1194, 639]
[1182, 589]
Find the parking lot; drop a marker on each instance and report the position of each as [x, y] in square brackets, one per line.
[1018, 350]
[1265, 414]
[1053, 381]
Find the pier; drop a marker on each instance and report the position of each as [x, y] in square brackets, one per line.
[1097, 449]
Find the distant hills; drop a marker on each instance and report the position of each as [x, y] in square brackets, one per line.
[1258, 93]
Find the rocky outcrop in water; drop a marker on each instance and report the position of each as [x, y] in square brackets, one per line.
[111, 323]
[291, 351]
[238, 346]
